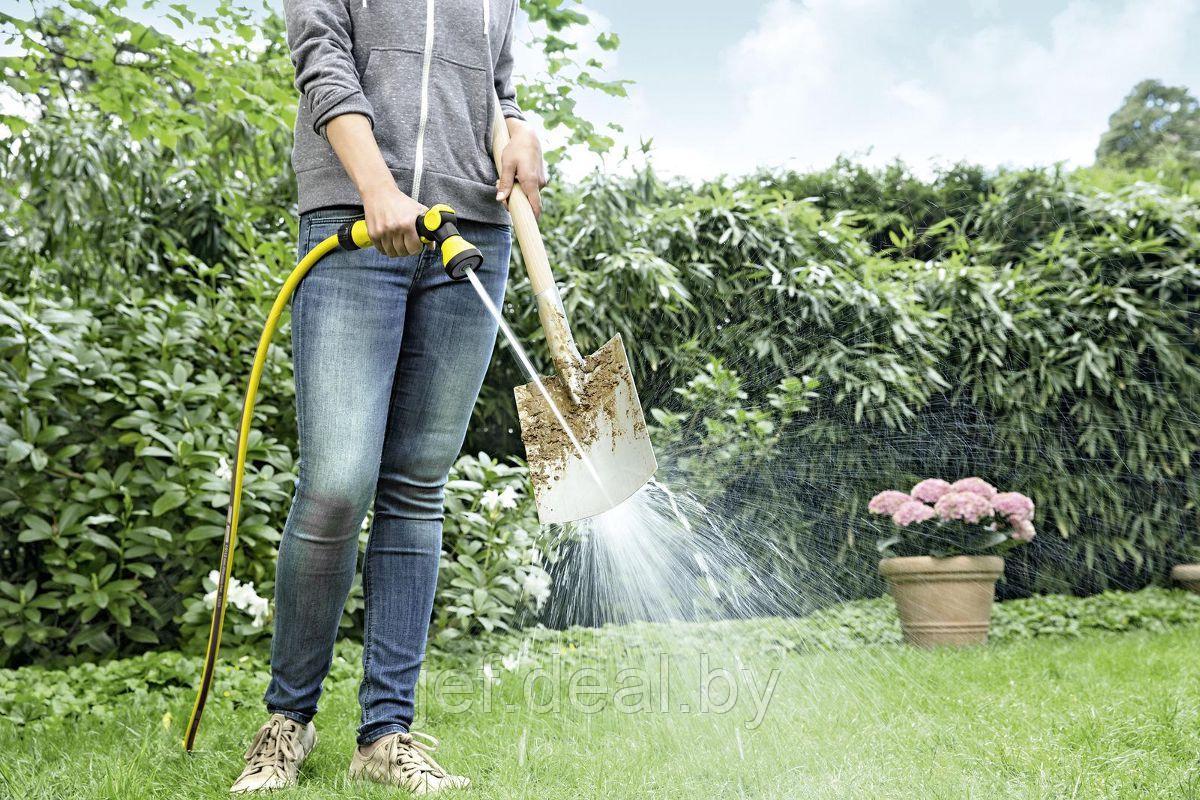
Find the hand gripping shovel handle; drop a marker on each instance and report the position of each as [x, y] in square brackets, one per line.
[563, 351]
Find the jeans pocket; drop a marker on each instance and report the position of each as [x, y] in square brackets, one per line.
[316, 229]
[335, 217]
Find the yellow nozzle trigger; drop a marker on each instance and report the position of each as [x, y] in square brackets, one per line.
[433, 219]
[360, 235]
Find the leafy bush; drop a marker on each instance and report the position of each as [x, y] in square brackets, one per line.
[1071, 373]
[1033, 327]
[115, 422]
[718, 427]
[491, 575]
[247, 615]
[1033, 330]
[166, 147]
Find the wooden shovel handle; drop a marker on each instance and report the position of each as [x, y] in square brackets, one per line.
[529, 237]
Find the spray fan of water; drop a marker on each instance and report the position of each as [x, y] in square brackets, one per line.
[658, 556]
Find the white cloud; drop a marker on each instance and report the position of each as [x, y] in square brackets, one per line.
[879, 79]
[917, 96]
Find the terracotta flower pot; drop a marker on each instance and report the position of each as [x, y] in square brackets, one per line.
[943, 601]
[1187, 576]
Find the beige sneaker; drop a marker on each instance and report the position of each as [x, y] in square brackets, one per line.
[403, 759]
[274, 758]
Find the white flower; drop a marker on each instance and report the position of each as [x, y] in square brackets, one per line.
[210, 599]
[537, 586]
[223, 470]
[533, 556]
[242, 597]
[490, 499]
[508, 498]
[258, 609]
[514, 661]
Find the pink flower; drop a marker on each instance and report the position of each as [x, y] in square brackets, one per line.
[1014, 505]
[930, 490]
[912, 511]
[967, 506]
[1023, 531]
[975, 486]
[887, 502]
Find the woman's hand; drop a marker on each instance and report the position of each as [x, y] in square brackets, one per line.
[522, 160]
[392, 219]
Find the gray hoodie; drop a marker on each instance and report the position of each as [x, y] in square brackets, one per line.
[423, 72]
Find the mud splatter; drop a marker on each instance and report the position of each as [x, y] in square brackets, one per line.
[547, 445]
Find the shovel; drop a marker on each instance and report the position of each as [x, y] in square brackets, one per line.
[584, 431]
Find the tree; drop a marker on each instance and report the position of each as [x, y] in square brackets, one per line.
[171, 80]
[181, 129]
[1156, 123]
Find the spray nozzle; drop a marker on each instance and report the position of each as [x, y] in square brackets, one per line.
[438, 227]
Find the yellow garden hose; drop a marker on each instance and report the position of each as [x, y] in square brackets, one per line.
[437, 228]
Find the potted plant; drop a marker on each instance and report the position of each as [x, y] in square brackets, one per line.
[1188, 575]
[943, 557]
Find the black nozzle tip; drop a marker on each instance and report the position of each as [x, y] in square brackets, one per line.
[457, 267]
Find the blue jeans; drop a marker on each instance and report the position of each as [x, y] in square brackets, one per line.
[389, 358]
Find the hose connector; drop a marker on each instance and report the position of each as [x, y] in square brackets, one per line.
[438, 227]
[353, 235]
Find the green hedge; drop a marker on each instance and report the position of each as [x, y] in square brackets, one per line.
[1036, 328]
[1026, 327]
[116, 424]
[1060, 361]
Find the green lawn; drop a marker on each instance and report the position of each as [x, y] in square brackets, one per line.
[1099, 716]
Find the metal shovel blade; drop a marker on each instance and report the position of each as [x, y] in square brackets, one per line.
[607, 425]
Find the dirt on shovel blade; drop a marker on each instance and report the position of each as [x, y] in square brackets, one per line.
[548, 448]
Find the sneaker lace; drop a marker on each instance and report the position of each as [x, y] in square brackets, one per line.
[272, 746]
[414, 754]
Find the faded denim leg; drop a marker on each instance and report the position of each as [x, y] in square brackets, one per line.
[348, 320]
[448, 341]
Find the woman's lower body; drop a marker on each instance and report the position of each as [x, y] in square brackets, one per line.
[389, 358]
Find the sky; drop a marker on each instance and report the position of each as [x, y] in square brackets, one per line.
[724, 88]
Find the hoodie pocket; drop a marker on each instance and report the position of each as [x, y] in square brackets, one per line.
[458, 134]
[392, 83]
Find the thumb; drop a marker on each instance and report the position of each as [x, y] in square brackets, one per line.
[507, 173]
